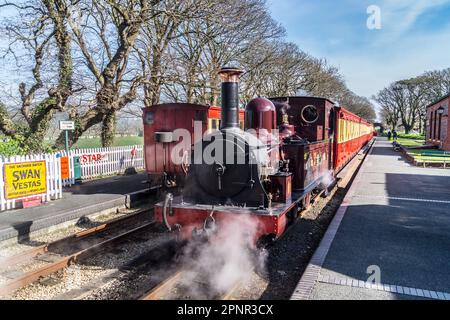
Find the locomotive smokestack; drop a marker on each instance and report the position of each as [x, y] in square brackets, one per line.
[230, 97]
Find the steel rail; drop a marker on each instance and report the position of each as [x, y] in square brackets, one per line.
[158, 292]
[29, 254]
[65, 261]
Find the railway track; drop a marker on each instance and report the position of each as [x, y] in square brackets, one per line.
[186, 284]
[32, 265]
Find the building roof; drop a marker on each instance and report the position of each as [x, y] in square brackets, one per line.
[439, 100]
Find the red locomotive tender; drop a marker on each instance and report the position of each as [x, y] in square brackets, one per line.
[292, 149]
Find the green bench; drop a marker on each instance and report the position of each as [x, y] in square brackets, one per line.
[431, 157]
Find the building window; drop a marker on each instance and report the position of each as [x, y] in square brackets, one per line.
[435, 124]
[431, 125]
[439, 127]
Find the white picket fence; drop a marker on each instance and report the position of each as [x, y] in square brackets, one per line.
[95, 163]
[100, 162]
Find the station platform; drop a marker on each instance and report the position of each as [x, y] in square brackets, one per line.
[390, 238]
[77, 201]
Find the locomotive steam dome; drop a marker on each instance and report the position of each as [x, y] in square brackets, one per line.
[260, 113]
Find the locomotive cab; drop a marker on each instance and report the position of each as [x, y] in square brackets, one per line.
[310, 149]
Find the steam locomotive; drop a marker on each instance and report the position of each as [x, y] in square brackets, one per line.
[213, 171]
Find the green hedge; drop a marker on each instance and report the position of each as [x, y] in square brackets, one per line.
[412, 136]
[10, 148]
[118, 142]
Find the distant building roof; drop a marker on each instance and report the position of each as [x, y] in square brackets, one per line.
[439, 100]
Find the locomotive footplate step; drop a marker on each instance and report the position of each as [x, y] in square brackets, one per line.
[389, 238]
[77, 201]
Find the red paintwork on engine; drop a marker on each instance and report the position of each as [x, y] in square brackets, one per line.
[191, 217]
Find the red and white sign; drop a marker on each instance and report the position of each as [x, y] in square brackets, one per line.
[95, 157]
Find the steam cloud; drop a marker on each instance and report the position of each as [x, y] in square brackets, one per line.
[225, 261]
[327, 179]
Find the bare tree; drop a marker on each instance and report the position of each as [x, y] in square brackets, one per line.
[224, 32]
[153, 44]
[275, 69]
[437, 84]
[41, 23]
[109, 64]
[390, 112]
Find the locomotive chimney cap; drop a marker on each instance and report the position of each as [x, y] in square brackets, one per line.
[230, 74]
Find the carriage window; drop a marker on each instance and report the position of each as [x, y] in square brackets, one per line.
[213, 124]
[309, 114]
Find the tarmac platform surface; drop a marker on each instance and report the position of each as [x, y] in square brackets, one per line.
[390, 239]
[77, 201]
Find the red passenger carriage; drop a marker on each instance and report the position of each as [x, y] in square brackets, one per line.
[160, 121]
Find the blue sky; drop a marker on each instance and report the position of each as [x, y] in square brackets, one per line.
[414, 37]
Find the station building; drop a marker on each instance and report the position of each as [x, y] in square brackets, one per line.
[438, 123]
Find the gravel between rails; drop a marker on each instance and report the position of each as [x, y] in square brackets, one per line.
[10, 249]
[286, 261]
[131, 285]
[80, 275]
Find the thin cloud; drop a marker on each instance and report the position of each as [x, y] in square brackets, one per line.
[400, 16]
